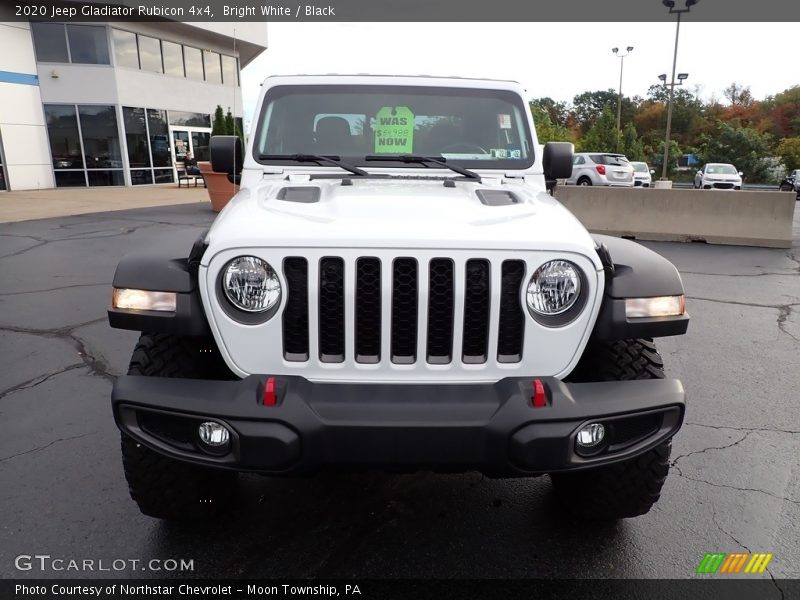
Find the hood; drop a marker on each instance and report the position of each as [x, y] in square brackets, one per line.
[397, 213]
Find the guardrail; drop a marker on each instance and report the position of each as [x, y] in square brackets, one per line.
[745, 218]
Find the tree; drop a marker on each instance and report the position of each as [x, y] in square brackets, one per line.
[783, 112]
[789, 151]
[602, 136]
[557, 111]
[745, 147]
[230, 126]
[631, 144]
[588, 106]
[218, 126]
[738, 95]
[656, 156]
[546, 130]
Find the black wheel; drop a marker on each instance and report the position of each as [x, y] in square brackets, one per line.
[162, 487]
[786, 188]
[584, 181]
[629, 488]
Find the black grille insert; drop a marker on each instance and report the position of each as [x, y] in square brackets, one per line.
[295, 315]
[512, 320]
[368, 310]
[477, 298]
[331, 310]
[404, 311]
[441, 298]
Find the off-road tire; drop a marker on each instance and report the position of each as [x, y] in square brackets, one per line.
[629, 488]
[162, 487]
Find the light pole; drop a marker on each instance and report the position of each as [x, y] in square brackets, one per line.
[670, 4]
[621, 57]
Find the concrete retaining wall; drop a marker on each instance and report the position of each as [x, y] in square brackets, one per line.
[718, 217]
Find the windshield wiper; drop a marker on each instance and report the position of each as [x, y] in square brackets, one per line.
[436, 160]
[317, 158]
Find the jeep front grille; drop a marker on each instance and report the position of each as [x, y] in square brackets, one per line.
[418, 308]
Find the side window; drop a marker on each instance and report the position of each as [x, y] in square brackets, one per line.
[578, 160]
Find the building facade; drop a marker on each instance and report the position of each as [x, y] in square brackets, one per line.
[106, 104]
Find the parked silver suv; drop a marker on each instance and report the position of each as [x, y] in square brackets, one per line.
[597, 168]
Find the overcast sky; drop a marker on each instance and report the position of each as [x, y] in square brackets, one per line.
[558, 60]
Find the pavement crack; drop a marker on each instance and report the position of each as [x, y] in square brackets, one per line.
[704, 450]
[680, 473]
[54, 289]
[783, 314]
[761, 274]
[754, 429]
[40, 448]
[738, 303]
[39, 379]
[97, 366]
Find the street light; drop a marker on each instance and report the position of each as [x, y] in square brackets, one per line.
[670, 4]
[619, 98]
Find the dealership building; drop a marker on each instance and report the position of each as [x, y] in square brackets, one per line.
[114, 104]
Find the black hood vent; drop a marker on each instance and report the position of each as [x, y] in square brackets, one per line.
[303, 194]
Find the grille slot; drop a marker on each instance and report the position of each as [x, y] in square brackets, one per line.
[331, 310]
[368, 310]
[441, 297]
[404, 311]
[295, 315]
[477, 300]
[512, 320]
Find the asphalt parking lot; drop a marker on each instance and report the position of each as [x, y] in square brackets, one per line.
[734, 484]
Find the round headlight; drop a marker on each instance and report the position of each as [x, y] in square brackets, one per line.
[554, 288]
[251, 284]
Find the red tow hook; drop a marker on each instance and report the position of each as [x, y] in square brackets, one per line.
[539, 398]
[270, 397]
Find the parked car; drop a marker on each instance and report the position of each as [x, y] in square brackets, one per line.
[791, 183]
[598, 168]
[718, 176]
[389, 306]
[642, 174]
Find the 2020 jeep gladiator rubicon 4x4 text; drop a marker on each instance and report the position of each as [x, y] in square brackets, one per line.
[394, 288]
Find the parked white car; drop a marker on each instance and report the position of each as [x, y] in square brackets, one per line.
[598, 168]
[642, 174]
[718, 176]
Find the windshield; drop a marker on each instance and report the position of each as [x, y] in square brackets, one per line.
[720, 170]
[471, 127]
[640, 167]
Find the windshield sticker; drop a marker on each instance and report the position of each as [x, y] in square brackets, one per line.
[501, 153]
[394, 130]
[504, 121]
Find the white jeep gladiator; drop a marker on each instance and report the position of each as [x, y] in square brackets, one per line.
[394, 287]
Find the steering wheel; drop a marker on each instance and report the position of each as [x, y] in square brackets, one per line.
[463, 148]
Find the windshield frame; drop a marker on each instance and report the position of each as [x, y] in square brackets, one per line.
[510, 96]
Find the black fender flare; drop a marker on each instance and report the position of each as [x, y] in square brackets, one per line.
[166, 274]
[634, 271]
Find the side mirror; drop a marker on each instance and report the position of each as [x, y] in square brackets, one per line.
[741, 174]
[557, 160]
[226, 154]
[652, 171]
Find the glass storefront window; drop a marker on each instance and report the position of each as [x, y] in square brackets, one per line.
[194, 63]
[70, 178]
[150, 54]
[200, 141]
[136, 137]
[50, 42]
[211, 62]
[105, 178]
[229, 70]
[159, 138]
[189, 119]
[65, 143]
[88, 44]
[125, 50]
[164, 175]
[100, 137]
[173, 58]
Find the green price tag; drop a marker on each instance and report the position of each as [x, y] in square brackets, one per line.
[394, 130]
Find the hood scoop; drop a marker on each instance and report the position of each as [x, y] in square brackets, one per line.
[497, 197]
[304, 194]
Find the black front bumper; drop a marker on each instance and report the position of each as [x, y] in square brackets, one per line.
[493, 428]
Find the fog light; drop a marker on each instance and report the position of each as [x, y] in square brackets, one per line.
[591, 436]
[214, 435]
